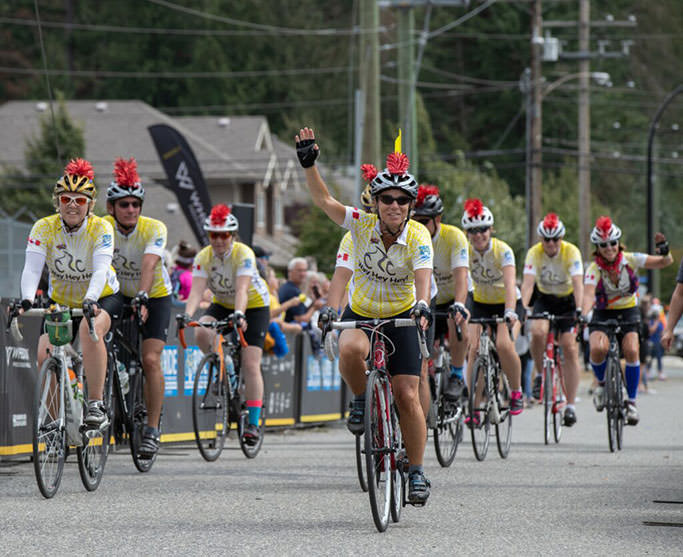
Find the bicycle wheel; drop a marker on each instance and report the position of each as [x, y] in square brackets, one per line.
[49, 429]
[611, 403]
[558, 404]
[360, 464]
[396, 472]
[447, 430]
[210, 404]
[250, 451]
[620, 408]
[93, 456]
[478, 409]
[547, 401]
[378, 450]
[504, 427]
[137, 419]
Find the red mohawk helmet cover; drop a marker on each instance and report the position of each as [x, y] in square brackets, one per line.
[604, 224]
[424, 191]
[474, 207]
[397, 163]
[218, 214]
[126, 173]
[369, 172]
[80, 167]
[551, 221]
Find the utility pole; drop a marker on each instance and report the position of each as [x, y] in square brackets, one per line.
[584, 124]
[369, 81]
[536, 92]
[406, 68]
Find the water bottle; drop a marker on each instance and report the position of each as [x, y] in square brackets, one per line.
[232, 376]
[76, 387]
[123, 377]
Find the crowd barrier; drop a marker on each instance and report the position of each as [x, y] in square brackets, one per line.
[301, 387]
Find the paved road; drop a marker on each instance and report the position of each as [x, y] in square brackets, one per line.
[300, 496]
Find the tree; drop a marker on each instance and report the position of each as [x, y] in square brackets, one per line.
[30, 187]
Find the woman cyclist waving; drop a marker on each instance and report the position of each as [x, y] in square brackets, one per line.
[77, 248]
[228, 268]
[391, 278]
[611, 284]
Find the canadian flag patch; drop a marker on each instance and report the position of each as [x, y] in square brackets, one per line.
[34, 242]
[346, 257]
[355, 214]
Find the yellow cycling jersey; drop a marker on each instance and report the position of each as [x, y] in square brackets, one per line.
[222, 273]
[148, 236]
[487, 271]
[450, 252]
[383, 281]
[69, 256]
[618, 295]
[345, 252]
[554, 274]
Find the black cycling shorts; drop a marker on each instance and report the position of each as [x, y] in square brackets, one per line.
[406, 358]
[112, 304]
[158, 317]
[479, 310]
[628, 314]
[258, 320]
[441, 323]
[557, 305]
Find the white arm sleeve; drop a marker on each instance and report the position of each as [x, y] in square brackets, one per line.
[100, 262]
[30, 277]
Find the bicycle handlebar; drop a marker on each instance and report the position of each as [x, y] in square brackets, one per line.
[208, 325]
[550, 317]
[492, 321]
[374, 323]
[13, 326]
[448, 315]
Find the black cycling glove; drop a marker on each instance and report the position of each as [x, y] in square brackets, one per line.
[421, 309]
[662, 248]
[306, 152]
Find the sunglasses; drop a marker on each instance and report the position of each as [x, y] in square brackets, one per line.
[66, 199]
[219, 235]
[478, 230]
[610, 243]
[547, 240]
[126, 204]
[389, 199]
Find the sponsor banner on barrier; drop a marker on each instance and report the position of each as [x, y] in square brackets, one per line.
[193, 356]
[322, 374]
[17, 356]
[169, 364]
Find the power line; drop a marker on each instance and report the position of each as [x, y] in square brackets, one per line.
[173, 75]
[178, 31]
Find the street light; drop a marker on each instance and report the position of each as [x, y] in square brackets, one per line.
[534, 142]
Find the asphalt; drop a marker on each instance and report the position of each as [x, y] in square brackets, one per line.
[301, 496]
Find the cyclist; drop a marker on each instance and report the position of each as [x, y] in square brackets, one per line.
[554, 266]
[675, 310]
[451, 265]
[391, 278]
[611, 285]
[77, 247]
[495, 294]
[145, 284]
[228, 268]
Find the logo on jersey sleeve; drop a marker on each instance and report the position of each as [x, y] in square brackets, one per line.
[247, 263]
[576, 266]
[425, 254]
[507, 257]
[106, 241]
[159, 242]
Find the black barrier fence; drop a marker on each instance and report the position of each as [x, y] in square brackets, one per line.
[303, 387]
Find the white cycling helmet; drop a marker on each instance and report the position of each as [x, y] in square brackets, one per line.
[394, 176]
[551, 227]
[605, 231]
[476, 215]
[126, 181]
[221, 219]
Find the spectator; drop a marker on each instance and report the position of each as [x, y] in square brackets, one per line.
[181, 274]
[297, 270]
[656, 325]
[277, 309]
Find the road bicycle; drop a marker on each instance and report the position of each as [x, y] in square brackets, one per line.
[489, 403]
[125, 357]
[60, 404]
[614, 393]
[553, 393]
[218, 402]
[385, 465]
[446, 417]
